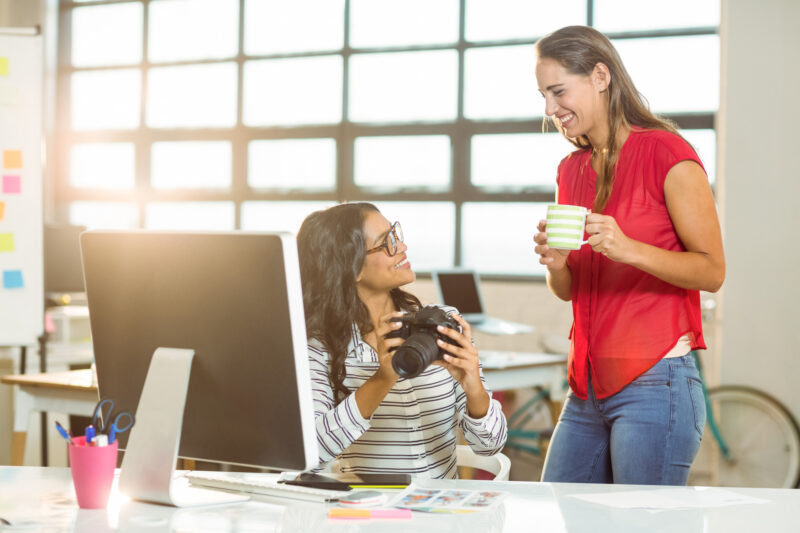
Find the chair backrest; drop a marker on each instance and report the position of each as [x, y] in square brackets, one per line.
[498, 464]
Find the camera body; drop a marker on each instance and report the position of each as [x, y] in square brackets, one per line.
[419, 331]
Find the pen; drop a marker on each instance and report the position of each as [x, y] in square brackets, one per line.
[89, 434]
[64, 433]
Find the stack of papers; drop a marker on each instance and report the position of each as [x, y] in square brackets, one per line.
[447, 501]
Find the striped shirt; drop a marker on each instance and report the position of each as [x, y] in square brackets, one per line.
[414, 428]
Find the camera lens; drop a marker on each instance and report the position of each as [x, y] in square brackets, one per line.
[414, 355]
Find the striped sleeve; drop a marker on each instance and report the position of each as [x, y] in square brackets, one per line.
[337, 426]
[487, 435]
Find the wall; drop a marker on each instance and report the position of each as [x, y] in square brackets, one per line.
[760, 182]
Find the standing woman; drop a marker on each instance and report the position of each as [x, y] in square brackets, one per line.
[353, 262]
[635, 412]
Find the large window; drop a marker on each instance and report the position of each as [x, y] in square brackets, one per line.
[250, 114]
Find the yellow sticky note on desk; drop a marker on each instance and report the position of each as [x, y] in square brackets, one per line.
[12, 158]
[6, 242]
[3, 66]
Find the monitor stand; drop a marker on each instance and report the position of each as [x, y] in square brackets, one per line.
[148, 468]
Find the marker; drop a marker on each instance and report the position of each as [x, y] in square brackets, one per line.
[100, 440]
[64, 433]
[89, 434]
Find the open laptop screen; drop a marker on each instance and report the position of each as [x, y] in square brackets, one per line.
[460, 290]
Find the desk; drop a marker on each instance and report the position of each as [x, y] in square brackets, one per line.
[519, 370]
[44, 498]
[73, 393]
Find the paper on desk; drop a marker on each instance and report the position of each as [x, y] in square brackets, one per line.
[669, 499]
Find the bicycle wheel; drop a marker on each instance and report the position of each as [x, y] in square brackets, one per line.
[762, 437]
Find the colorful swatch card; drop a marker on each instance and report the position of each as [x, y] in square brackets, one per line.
[12, 279]
[12, 185]
[3, 66]
[6, 242]
[447, 501]
[12, 158]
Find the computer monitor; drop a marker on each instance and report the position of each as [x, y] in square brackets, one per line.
[235, 299]
[63, 277]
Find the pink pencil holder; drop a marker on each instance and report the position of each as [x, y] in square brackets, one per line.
[92, 472]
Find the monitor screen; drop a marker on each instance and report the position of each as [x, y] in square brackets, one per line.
[62, 259]
[233, 298]
[460, 290]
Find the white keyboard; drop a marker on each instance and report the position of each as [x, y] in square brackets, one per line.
[257, 484]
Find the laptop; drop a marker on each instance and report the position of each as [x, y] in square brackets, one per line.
[461, 289]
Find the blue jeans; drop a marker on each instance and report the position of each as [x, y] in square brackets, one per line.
[647, 433]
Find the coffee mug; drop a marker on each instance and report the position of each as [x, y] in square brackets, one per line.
[565, 226]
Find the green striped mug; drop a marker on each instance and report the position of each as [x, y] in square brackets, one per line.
[565, 226]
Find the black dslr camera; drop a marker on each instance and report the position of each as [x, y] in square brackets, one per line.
[420, 349]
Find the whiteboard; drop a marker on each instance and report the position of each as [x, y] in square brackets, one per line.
[21, 252]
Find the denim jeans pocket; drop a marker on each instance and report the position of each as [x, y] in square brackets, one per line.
[698, 404]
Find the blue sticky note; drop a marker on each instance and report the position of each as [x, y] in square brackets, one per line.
[12, 279]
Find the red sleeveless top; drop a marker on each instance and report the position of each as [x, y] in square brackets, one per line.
[624, 319]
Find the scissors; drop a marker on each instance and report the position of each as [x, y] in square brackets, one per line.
[122, 421]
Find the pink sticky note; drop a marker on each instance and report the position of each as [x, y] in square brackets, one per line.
[12, 184]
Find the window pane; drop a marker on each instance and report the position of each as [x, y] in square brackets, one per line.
[392, 163]
[428, 230]
[106, 35]
[102, 165]
[292, 164]
[674, 73]
[192, 96]
[517, 160]
[705, 144]
[635, 15]
[488, 20]
[108, 99]
[104, 215]
[500, 82]
[403, 87]
[288, 92]
[278, 26]
[497, 238]
[200, 216]
[278, 216]
[191, 165]
[379, 23]
[179, 30]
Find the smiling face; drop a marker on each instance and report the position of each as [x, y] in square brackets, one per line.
[380, 272]
[577, 103]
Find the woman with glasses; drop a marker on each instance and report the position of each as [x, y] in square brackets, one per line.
[353, 262]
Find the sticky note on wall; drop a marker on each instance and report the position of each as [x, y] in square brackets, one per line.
[6, 242]
[12, 184]
[2, 210]
[12, 158]
[3, 66]
[12, 279]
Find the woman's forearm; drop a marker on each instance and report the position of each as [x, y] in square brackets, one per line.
[370, 395]
[560, 282]
[687, 270]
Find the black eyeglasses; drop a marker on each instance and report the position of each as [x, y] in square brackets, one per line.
[389, 244]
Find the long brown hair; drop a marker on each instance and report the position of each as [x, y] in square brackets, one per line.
[579, 49]
[332, 249]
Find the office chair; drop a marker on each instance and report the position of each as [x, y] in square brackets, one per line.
[498, 464]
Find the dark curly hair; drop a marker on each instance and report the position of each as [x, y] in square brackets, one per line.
[332, 250]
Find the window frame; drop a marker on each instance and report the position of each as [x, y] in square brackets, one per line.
[460, 132]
